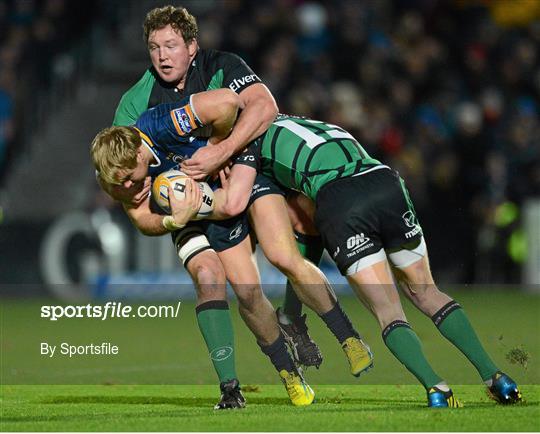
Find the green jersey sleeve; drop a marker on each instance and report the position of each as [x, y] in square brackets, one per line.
[135, 101]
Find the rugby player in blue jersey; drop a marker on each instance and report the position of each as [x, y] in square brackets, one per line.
[161, 138]
[180, 67]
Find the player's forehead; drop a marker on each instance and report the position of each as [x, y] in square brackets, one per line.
[164, 35]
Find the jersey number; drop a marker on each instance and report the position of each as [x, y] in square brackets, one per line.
[312, 140]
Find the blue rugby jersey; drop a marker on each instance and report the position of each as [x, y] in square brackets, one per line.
[167, 130]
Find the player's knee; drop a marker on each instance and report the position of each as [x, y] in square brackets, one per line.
[209, 274]
[248, 295]
[303, 224]
[301, 213]
[286, 262]
[305, 227]
[209, 277]
[417, 274]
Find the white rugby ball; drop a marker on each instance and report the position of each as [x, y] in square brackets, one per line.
[177, 181]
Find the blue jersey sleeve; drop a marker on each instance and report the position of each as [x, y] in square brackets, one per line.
[169, 122]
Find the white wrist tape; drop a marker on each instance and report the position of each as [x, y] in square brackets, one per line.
[169, 223]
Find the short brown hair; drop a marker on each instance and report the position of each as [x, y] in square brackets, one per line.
[178, 18]
[113, 149]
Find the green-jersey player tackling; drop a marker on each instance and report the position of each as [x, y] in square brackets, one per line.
[368, 225]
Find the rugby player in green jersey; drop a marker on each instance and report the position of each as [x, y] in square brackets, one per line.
[181, 68]
[369, 226]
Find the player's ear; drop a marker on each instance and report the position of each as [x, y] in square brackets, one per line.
[192, 47]
[140, 154]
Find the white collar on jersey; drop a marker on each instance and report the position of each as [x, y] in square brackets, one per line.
[153, 153]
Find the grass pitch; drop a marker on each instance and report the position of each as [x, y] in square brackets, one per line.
[188, 408]
[172, 351]
[163, 380]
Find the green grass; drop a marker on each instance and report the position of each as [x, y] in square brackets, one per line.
[145, 387]
[172, 351]
[188, 408]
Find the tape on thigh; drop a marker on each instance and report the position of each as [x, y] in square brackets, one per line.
[403, 258]
[189, 242]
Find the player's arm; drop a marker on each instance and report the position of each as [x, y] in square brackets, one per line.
[218, 109]
[176, 122]
[260, 106]
[147, 222]
[182, 211]
[233, 197]
[259, 111]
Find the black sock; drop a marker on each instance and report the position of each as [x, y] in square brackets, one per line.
[339, 324]
[277, 352]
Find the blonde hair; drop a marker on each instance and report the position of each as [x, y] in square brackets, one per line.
[178, 18]
[114, 149]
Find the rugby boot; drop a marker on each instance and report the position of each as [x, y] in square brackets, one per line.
[304, 351]
[358, 354]
[440, 399]
[298, 390]
[503, 389]
[231, 396]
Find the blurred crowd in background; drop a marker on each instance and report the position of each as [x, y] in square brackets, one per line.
[446, 92]
[34, 36]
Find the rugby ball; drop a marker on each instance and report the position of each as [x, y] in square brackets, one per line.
[177, 181]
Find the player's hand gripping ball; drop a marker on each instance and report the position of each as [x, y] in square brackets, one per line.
[177, 181]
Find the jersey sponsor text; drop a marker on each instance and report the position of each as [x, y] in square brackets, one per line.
[238, 83]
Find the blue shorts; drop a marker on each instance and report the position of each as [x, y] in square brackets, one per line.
[264, 185]
[202, 235]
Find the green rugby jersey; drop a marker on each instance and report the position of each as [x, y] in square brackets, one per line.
[210, 69]
[304, 154]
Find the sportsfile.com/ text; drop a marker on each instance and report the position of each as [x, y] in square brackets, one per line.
[110, 310]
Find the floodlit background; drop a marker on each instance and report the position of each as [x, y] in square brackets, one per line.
[445, 92]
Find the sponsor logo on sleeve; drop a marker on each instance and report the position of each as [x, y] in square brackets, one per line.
[183, 120]
[239, 83]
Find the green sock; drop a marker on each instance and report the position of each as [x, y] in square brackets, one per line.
[311, 248]
[454, 325]
[407, 348]
[216, 327]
